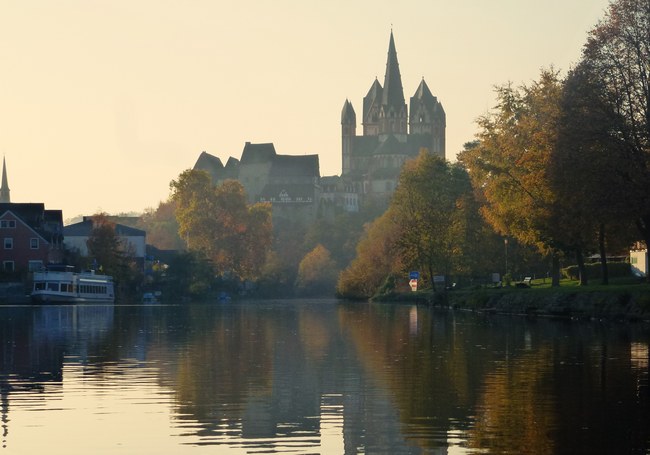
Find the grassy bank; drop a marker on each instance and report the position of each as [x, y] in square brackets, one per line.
[622, 300]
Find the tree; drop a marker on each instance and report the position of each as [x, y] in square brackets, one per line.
[161, 226]
[193, 194]
[217, 221]
[510, 164]
[188, 274]
[432, 225]
[110, 255]
[433, 205]
[617, 54]
[317, 273]
[590, 197]
[377, 258]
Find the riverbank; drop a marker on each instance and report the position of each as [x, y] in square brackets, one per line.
[618, 304]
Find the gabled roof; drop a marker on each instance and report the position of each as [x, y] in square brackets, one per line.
[30, 212]
[47, 223]
[84, 229]
[257, 153]
[372, 98]
[364, 145]
[391, 146]
[208, 162]
[45, 235]
[295, 166]
[393, 93]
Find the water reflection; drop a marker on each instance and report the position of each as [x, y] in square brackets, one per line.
[317, 377]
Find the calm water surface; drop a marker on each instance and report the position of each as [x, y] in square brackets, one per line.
[306, 377]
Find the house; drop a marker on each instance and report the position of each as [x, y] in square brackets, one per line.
[133, 240]
[31, 236]
[639, 261]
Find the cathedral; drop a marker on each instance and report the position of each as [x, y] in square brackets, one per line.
[371, 162]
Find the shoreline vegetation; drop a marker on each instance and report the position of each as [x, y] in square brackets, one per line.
[616, 302]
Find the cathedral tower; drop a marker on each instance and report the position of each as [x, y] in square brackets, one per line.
[349, 132]
[427, 117]
[393, 111]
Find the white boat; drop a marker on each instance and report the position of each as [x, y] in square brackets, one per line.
[66, 286]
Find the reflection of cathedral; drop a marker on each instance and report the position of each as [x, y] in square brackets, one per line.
[373, 160]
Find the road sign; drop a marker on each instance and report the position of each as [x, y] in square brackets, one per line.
[414, 275]
[414, 284]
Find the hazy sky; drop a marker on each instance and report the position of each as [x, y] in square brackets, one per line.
[103, 103]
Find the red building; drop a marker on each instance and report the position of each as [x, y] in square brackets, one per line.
[30, 237]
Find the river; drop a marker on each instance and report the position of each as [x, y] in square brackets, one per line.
[317, 376]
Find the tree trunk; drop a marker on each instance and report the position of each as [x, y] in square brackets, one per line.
[604, 271]
[555, 270]
[582, 271]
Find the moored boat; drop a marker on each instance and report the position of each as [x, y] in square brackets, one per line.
[66, 286]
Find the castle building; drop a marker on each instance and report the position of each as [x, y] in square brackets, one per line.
[290, 183]
[371, 162]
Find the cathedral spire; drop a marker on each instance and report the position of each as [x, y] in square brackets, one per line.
[4, 189]
[393, 94]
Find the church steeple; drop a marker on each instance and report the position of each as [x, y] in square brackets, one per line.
[393, 94]
[4, 189]
[393, 113]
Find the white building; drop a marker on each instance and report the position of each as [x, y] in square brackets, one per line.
[75, 237]
[639, 262]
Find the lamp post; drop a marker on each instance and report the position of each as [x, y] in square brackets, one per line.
[505, 242]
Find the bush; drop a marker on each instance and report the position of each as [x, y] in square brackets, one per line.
[615, 270]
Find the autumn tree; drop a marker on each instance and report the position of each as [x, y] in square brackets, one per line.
[510, 164]
[591, 203]
[217, 221]
[432, 225]
[161, 226]
[617, 55]
[110, 255]
[376, 259]
[317, 273]
[433, 204]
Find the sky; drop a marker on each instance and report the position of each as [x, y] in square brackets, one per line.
[104, 102]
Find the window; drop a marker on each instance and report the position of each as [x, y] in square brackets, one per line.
[9, 243]
[8, 266]
[35, 266]
[33, 243]
[7, 224]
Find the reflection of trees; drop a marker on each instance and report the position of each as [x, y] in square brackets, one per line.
[516, 413]
[502, 385]
[426, 373]
[225, 364]
[255, 369]
[402, 379]
[602, 400]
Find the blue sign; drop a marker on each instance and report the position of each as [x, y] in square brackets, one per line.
[414, 275]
